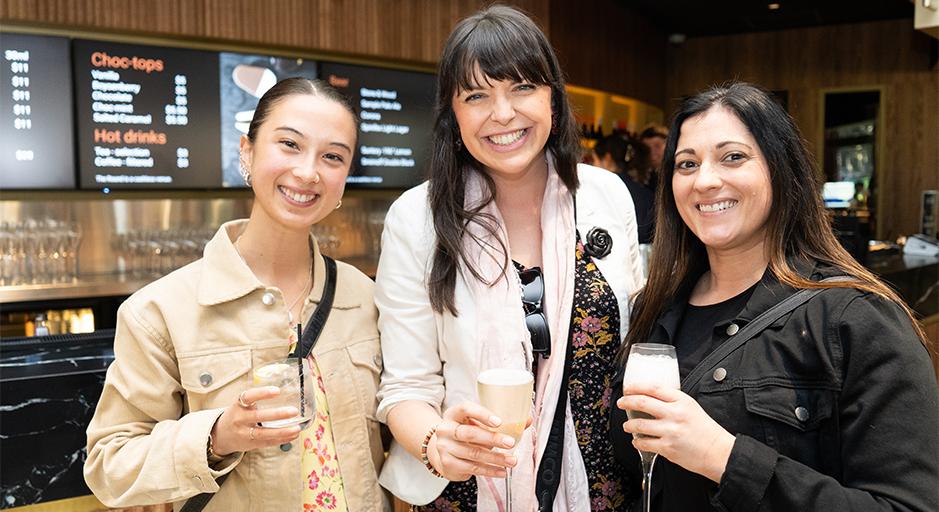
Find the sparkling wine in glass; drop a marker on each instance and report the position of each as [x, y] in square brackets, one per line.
[650, 363]
[508, 393]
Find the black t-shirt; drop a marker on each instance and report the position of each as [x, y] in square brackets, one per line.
[695, 338]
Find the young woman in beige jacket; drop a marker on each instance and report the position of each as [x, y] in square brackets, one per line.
[177, 410]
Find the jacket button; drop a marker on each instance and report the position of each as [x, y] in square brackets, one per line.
[732, 329]
[802, 414]
[205, 379]
[720, 374]
[268, 299]
[286, 447]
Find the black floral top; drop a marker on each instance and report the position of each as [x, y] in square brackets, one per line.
[594, 341]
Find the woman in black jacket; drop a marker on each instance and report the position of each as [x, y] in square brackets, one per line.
[832, 406]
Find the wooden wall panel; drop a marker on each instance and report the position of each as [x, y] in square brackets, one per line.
[888, 54]
[602, 44]
[412, 30]
[609, 46]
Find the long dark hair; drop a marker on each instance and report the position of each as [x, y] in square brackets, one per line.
[798, 226]
[505, 44]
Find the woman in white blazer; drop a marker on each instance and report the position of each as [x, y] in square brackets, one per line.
[512, 255]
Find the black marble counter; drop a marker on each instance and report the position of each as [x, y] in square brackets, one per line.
[49, 387]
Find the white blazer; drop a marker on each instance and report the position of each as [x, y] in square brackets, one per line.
[432, 357]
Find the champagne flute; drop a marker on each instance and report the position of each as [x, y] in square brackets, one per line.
[508, 393]
[650, 363]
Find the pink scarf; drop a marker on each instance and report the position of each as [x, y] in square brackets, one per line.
[504, 341]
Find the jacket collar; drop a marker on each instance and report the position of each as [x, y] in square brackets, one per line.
[226, 276]
[767, 293]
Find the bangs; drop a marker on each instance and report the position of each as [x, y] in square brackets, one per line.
[497, 50]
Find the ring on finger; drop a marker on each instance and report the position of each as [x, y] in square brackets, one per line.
[251, 433]
[242, 402]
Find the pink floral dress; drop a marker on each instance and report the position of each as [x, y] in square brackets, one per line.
[322, 489]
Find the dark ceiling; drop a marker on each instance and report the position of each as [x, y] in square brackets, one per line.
[718, 17]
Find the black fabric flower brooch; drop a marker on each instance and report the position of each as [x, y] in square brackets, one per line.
[599, 243]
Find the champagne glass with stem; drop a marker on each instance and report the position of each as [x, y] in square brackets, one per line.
[650, 363]
[508, 393]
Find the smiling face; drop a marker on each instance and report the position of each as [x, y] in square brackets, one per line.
[299, 160]
[504, 124]
[721, 182]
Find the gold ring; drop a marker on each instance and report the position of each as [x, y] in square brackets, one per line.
[251, 433]
[241, 401]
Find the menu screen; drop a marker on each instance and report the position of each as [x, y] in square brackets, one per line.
[36, 148]
[396, 119]
[147, 117]
[243, 80]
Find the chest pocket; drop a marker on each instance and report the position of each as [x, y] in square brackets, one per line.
[207, 378]
[798, 421]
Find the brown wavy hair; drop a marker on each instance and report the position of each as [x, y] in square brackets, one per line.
[504, 44]
[799, 227]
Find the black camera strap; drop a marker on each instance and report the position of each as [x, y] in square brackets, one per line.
[308, 338]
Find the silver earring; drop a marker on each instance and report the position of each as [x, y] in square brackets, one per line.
[340, 204]
[245, 175]
[459, 144]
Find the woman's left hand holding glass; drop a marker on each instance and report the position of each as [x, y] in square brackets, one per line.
[680, 431]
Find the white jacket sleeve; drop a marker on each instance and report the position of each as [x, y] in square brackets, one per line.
[408, 325]
[140, 451]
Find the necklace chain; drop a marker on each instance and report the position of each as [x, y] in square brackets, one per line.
[303, 291]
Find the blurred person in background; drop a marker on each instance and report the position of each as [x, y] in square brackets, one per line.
[620, 155]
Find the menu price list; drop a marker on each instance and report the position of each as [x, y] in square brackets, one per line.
[36, 149]
[147, 117]
[395, 120]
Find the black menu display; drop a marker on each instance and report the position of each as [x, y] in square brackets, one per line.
[243, 79]
[147, 117]
[396, 120]
[36, 148]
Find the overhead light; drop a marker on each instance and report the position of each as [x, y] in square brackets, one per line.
[773, 7]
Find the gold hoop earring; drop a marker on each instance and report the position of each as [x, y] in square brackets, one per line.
[340, 204]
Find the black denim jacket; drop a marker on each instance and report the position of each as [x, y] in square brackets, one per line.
[834, 407]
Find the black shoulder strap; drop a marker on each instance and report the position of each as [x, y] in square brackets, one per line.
[691, 381]
[314, 327]
[311, 333]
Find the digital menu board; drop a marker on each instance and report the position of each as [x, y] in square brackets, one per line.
[395, 122]
[36, 148]
[147, 116]
[243, 80]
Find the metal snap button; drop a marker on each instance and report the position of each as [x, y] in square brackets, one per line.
[286, 447]
[732, 329]
[268, 299]
[720, 374]
[206, 379]
[802, 414]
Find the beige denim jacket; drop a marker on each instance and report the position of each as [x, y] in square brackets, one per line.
[184, 349]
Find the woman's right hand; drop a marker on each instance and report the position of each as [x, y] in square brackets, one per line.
[237, 430]
[463, 445]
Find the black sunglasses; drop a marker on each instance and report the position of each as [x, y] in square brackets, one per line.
[532, 297]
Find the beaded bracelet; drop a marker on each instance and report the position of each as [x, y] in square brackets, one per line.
[430, 467]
